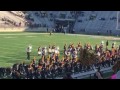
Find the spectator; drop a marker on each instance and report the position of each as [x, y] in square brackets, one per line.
[116, 69]
[113, 76]
[67, 76]
[98, 74]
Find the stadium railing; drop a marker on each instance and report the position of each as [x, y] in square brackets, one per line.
[88, 74]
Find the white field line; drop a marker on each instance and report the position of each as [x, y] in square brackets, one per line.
[16, 45]
[10, 57]
[94, 36]
[9, 48]
[24, 34]
[18, 37]
[56, 34]
[9, 37]
[13, 55]
[31, 36]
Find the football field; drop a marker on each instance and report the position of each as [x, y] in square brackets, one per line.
[13, 45]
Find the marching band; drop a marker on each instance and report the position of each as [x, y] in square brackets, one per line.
[72, 53]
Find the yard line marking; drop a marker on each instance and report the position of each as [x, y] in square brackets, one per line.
[25, 34]
[31, 36]
[56, 34]
[10, 37]
[10, 57]
[95, 36]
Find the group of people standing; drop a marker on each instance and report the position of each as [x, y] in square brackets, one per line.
[50, 57]
[51, 65]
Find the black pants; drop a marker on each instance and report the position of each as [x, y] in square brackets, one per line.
[28, 55]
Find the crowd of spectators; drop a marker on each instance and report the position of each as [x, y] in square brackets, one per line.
[8, 21]
[17, 13]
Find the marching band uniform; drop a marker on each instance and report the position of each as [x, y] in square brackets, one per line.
[39, 51]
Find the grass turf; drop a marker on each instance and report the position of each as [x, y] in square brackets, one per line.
[13, 45]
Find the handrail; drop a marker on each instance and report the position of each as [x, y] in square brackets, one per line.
[90, 73]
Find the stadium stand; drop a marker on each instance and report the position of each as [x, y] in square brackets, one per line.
[88, 22]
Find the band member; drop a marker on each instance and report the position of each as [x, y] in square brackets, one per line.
[88, 46]
[49, 50]
[79, 46]
[56, 53]
[98, 53]
[101, 46]
[96, 48]
[28, 50]
[107, 43]
[58, 48]
[53, 49]
[113, 45]
[65, 48]
[50, 33]
[30, 47]
[39, 51]
[45, 51]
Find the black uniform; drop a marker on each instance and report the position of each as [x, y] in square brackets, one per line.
[107, 43]
[28, 53]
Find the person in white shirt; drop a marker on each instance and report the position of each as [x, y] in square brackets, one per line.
[30, 47]
[57, 51]
[45, 50]
[53, 50]
[39, 51]
[98, 53]
[49, 50]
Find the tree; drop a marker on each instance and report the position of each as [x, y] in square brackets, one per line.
[87, 57]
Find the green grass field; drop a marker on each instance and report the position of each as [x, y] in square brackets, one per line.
[13, 45]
